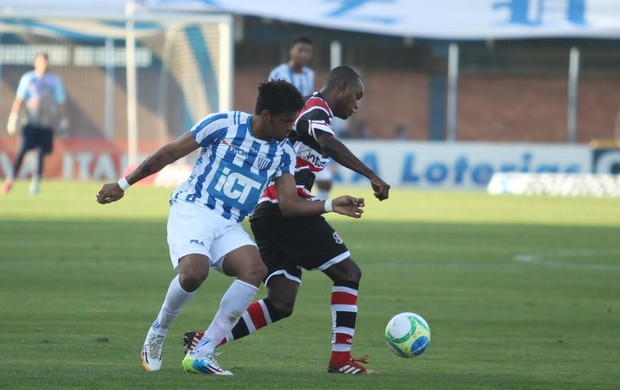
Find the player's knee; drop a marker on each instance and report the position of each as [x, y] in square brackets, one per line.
[324, 185]
[191, 280]
[254, 274]
[283, 308]
[358, 274]
[353, 273]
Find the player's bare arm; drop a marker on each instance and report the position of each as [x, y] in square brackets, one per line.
[343, 156]
[166, 155]
[17, 105]
[293, 206]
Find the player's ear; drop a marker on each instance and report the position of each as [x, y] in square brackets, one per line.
[265, 115]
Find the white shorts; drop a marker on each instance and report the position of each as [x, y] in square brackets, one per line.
[197, 229]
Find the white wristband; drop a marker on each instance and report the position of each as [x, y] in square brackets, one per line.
[124, 184]
[328, 206]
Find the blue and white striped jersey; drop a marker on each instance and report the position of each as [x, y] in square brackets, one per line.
[304, 81]
[234, 167]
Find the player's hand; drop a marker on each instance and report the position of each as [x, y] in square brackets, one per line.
[109, 193]
[348, 205]
[11, 125]
[381, 188]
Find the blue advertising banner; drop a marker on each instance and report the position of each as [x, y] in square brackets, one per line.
[462, 165]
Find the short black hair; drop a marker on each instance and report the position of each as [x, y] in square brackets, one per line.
[43, 54]
[302, 39]
[339, 74]
[278, 96]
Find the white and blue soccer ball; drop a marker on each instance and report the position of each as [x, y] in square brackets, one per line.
[407, 335]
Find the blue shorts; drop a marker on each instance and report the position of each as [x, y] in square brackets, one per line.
[37, 137]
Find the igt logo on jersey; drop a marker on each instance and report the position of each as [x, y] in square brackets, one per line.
[236, 187]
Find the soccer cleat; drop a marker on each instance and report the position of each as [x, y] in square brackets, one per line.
[152, 351]
[351, 367]
[191, 339]
[205, 365]
[6, 187]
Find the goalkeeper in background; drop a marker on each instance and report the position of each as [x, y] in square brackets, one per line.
[42, 94]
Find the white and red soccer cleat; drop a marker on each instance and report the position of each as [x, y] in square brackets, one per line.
[351, 367]
[191, 339]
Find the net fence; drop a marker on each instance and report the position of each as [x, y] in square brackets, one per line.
[181, 70]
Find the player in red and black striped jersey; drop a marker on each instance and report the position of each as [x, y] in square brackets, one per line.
[314, 140]
[312, 123]
[288, 245]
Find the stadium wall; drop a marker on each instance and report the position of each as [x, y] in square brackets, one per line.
[491, 108]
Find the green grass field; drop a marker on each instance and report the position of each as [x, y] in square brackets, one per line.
[520, 293]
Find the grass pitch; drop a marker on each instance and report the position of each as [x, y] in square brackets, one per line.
[519, 292]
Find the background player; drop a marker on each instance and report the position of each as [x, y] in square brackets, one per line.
[289, 244]
[240, 154]
[297, 72]
[42, 94]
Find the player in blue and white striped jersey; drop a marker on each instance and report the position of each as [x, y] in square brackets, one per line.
[241, 153]
[296, 71]
[290, 245]
[231, 151]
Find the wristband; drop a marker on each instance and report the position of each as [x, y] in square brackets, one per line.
[328, 206]
[124, 184]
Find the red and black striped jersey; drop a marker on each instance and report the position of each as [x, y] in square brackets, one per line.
[314, 118]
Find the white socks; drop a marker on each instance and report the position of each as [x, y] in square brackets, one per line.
[175, 299]
[234, 303]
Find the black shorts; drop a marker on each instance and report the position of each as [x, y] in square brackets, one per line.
[287, 245]
[37, 137]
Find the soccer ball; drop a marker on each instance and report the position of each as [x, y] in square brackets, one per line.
[407, 335]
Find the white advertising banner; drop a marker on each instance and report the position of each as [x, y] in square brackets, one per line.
[441, 19]
[460, 165]
[430, 165]
[444, 19]
[555, 184]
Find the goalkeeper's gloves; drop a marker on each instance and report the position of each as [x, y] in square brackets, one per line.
[12, 125]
